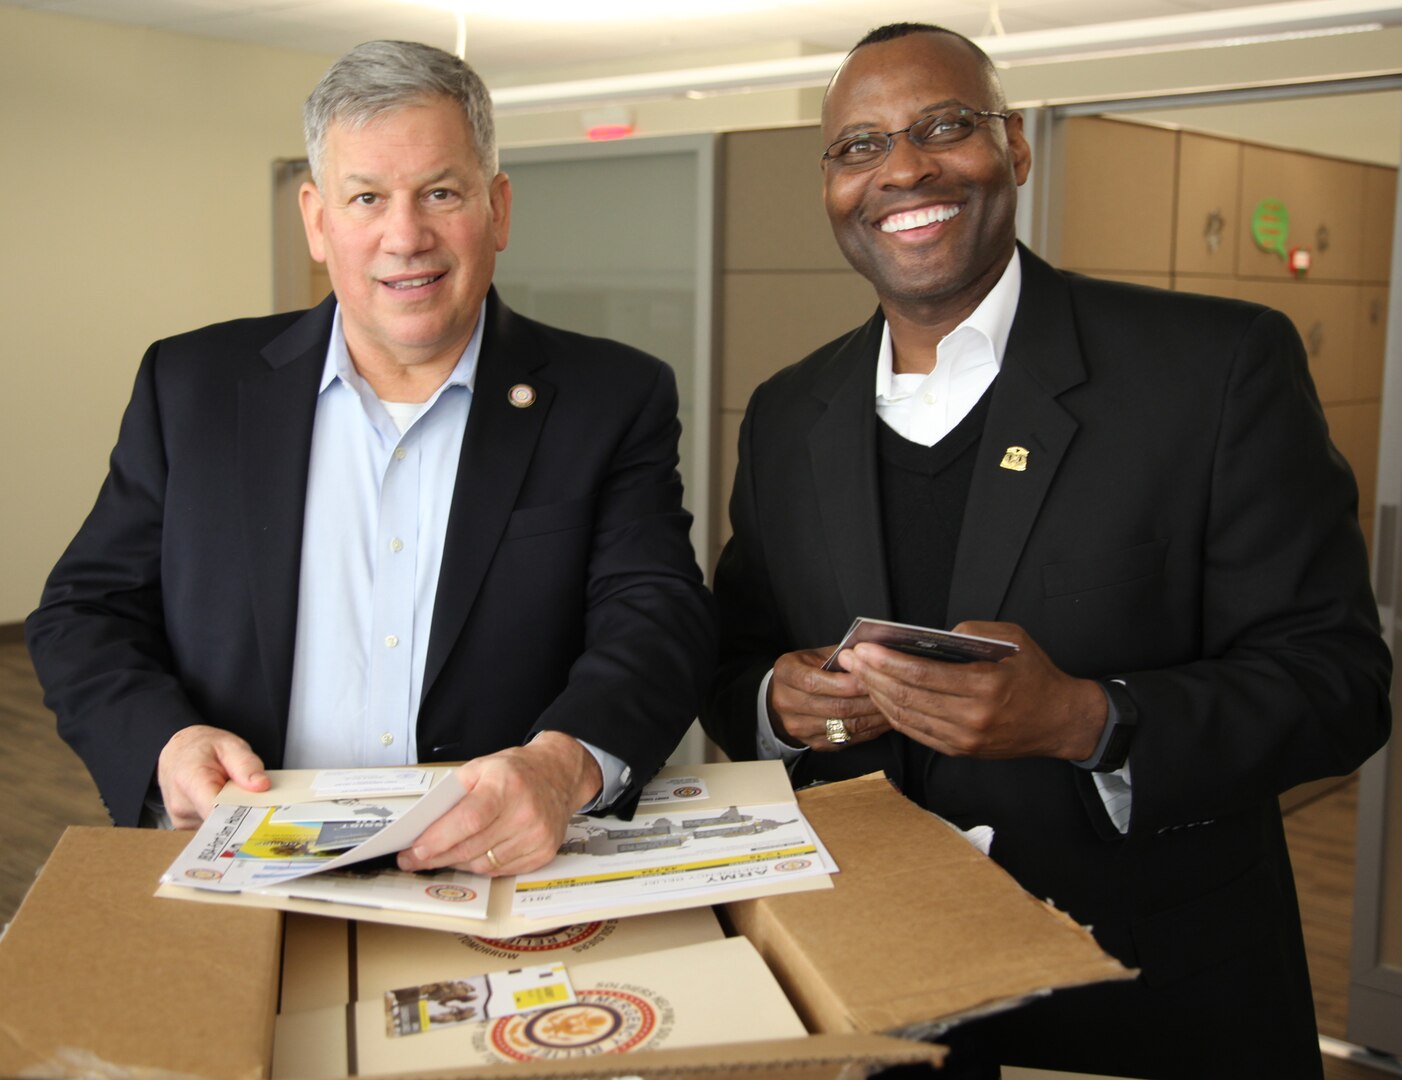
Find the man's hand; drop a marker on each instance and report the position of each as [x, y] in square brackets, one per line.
[195, 765]
[1022, 706]
[802, 697]
[517, 805]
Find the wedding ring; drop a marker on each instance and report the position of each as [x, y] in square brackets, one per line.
[492, 858]
[837, 731]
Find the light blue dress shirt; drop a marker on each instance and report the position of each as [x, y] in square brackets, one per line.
[372, 544]
[379, 489]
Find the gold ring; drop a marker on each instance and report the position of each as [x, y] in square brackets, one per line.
[837, 731]
[492, 858]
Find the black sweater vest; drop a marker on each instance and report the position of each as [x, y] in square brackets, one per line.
[923, 492]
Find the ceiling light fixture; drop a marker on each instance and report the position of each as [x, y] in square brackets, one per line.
[1295, 18]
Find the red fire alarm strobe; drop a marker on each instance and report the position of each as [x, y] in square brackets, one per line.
[1299, 261]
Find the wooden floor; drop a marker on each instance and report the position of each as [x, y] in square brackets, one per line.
[44, 788]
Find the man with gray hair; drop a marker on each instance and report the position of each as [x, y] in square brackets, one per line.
[407, 525]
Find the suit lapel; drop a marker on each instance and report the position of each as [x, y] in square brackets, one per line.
[276, 410]
[842, 448]
[496, 454]
[1041, 361]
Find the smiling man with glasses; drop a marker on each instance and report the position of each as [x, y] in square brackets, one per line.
[1138, 489]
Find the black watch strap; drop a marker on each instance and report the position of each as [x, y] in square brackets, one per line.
[1113, 749]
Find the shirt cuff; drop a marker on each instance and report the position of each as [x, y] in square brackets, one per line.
[617, 776]
[768, 746]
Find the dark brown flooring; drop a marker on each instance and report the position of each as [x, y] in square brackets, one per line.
[44, 788]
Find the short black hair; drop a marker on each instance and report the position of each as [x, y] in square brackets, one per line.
[892, 31]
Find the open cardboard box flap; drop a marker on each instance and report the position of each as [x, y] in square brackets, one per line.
[97, 974]
[98, 977]
[921, 926]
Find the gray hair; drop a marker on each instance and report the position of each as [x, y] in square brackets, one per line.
[381, 76]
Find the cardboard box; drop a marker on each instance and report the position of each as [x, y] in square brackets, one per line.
[913, 896]
[700, 995]
[97, 973]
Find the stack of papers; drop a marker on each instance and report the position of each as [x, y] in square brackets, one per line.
[324, 838]
[609, 861]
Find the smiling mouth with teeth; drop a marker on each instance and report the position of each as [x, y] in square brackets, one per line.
[917, 219]
[413, 283]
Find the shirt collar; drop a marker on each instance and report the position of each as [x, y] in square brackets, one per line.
[992, 320]
[339, 366]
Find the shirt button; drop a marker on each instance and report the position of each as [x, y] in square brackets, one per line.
[386, 739]
[929, 399]
[396, 545]
[391, 641]
[400, 453]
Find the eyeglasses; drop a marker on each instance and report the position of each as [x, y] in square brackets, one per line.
[867, 149]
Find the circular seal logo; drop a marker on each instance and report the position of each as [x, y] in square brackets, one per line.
[200, 874]
[566, 937]
[453, 894]
[521, 395]
[686, 792]
[600, 1022]
[789, 865]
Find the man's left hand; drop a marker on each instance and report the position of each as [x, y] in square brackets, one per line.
[517, 805]
[1022, 706]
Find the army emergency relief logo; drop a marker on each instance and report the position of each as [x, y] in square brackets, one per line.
[605, 1020]
[579, 937]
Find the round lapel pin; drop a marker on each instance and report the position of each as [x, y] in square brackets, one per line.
[521, 395]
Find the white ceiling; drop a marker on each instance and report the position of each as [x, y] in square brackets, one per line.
[535, 37]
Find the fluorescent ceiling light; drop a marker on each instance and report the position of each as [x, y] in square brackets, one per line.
[594, 11]
[1298, 18]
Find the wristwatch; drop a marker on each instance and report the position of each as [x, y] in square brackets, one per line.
[1123, 718]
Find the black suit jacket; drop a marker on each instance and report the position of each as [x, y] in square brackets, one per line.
[1184, 524]
[568, 597]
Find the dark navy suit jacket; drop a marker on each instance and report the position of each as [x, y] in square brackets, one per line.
[568, 596]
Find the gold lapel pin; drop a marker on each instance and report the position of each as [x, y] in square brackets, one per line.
[521, 395]
[1014, 459]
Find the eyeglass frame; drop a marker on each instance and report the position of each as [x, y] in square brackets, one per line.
[922, 145]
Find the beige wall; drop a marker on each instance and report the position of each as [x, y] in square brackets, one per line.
[137, 203]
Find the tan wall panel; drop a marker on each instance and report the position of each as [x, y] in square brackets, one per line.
[1354, 429]
[1207, 286]
[1325, 318]
[318, 284]
[728, 457]
[1209, 183]
[773, 320]
[1379, 211]
[1116, 217]
[773, 202]
[1318, 193]
[1154, 281]
[1372, 342]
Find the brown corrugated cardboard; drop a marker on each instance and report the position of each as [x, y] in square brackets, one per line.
[316, 964]
[969, 939]
[96, 973]
[158, 984]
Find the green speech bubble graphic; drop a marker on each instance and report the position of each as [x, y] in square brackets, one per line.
[1270, 225]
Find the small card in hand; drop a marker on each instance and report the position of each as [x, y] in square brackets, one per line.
[920, 641]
